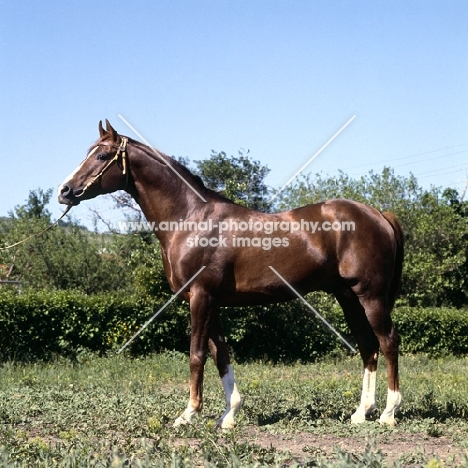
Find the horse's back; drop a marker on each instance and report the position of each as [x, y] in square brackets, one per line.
[328, 245]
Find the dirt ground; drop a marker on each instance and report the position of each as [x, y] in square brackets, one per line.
[409, 448]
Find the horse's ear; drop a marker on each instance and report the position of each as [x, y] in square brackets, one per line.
[114, 135]
[101, 130]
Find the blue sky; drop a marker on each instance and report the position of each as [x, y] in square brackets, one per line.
[278, 78]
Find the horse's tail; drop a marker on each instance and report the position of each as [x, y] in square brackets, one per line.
[398, 268]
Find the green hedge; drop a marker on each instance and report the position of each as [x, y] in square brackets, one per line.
[435, 331]
[41, 325]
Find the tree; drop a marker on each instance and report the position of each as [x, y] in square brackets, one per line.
[35, 207]
[240, 178]
[142, 255]
[65, 257]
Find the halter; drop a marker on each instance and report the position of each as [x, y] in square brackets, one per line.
[121, 152]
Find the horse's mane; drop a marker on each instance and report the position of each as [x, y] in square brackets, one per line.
[186, 173]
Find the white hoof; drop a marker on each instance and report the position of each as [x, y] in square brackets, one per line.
[181, 421]
[233, 401]
[186, 417]
[360, 414]
[388, 420]
[358, 417]
[226, 423]
[393, 403]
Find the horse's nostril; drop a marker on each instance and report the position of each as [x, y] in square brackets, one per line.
[65, 190]
[66, 194]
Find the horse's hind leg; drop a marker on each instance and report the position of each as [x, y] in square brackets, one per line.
[220, 354]
[368, 348]
[379, 318]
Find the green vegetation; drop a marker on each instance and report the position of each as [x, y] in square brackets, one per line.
[64, 258]
[92, 292]
[66, 399]
[48, 324]
[237, 178]
[117, 411]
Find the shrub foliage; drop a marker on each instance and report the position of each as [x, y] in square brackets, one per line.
[46, 324]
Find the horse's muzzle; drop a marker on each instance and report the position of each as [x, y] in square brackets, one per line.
[67, 196]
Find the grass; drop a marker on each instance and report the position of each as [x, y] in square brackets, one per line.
[117, 411]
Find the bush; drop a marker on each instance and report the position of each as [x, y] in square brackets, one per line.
[435, 331]
[41, 325]
[285, 332]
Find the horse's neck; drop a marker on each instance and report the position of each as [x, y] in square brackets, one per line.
[162, 194]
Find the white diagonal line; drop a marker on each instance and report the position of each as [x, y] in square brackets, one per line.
[158, 154]
[312, 158]
[313, 310]
[160, 310]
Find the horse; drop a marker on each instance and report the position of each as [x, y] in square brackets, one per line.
[217, 253]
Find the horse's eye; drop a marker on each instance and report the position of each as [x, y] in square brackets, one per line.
[101, 156]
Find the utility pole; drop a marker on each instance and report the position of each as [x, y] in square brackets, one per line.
[464, 191]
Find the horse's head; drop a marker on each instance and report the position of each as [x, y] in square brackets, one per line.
[104, 170]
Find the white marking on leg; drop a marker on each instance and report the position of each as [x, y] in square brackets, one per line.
[233, 400]
[393, 403]
[367, 404]
[187, 416]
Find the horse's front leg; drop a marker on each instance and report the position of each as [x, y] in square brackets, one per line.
[201, 306]
[220, 354]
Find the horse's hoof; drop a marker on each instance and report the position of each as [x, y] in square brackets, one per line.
[389, 421]
[180, 421]
[358, 418]
[226, 424]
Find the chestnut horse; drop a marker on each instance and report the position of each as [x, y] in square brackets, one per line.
[218, 253]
